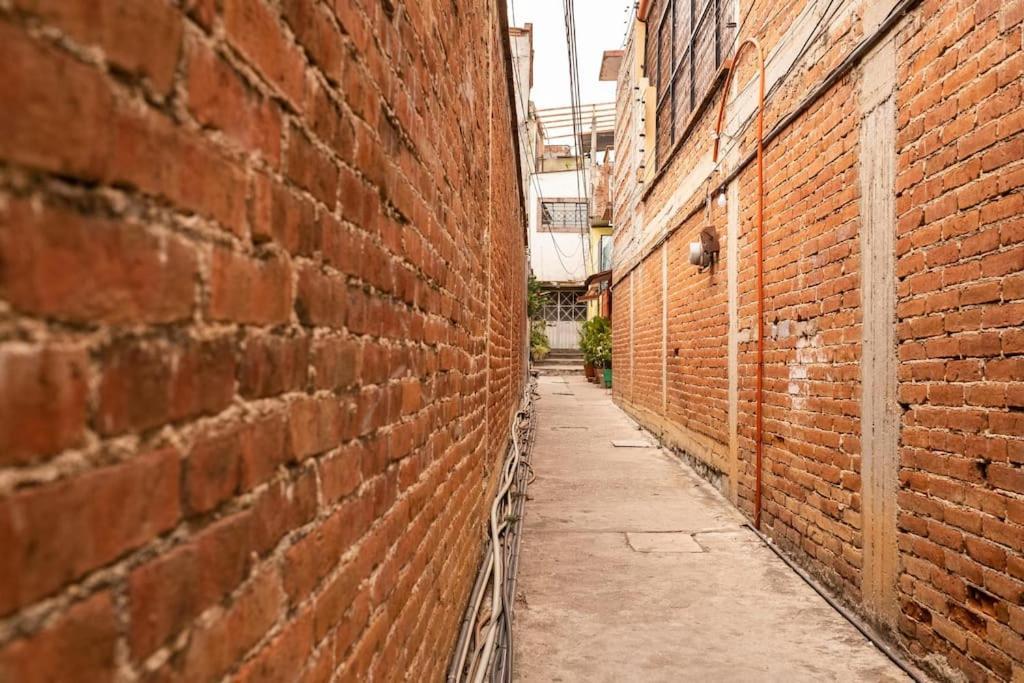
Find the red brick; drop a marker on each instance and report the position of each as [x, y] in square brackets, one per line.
[273, 365]
[79, 645]
[276, 661]
[162, 599]
[986, 553]
[157, 230]
[43, 394]
[1007, 477]
[56, 533]
[146, 384]
[249, 290]
[70, 267]
[193, 174]
[204, 377]
[219, 98]
[287, 217]
[341, 474]
[316, 32]
[322, 298]
[337, 363]
[203, 11]
[224, 554]
[283, 507]
[336, 598]
[56, 108]
[167, 593]
[305, 563]
[331, 123]
[311, 168]
[212, 471]
[265, 445]
[123, 29]
[315, 424]
[259, 35]
[214, 648]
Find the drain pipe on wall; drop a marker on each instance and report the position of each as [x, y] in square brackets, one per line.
[759, 392]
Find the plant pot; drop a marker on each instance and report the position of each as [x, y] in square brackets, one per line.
[607, 378]
[589, 371]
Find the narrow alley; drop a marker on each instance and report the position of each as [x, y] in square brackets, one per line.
[634, 568]
[453, 341]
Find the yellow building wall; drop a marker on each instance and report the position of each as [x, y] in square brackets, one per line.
[593, 307]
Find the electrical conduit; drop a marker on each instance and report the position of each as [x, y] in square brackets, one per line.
[759, 390]
[476, 655]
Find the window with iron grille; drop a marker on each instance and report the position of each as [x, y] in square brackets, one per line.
[687, 40]
[564, 306]
[563, 215]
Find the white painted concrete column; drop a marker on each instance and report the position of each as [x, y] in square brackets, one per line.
[732, 258]
[879, 409]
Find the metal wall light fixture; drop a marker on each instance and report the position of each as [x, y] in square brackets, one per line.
[704, 252]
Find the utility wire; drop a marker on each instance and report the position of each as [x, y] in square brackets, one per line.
[574, 97]
[559, 254]
[820, 26]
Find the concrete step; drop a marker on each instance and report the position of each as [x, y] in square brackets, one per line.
[560, 361]
[558, 369]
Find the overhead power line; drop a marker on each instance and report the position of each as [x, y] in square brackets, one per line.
[559, 254]
[569, 9]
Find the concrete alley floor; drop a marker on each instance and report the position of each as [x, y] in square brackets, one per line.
[634, 568]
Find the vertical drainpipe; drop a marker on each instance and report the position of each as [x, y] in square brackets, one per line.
[759, 324]
[732, 287]
[664, 329]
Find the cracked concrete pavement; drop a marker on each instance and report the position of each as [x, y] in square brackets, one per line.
[632, 567]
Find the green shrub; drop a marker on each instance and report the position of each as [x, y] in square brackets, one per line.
[596, 341]
[535, 298]
[539, 344]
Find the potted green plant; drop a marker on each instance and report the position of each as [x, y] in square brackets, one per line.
[540, 347]
[603, 354]
[596, 344]
[587, 337]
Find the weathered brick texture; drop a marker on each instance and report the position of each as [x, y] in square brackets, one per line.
[261, 330]
[956, 491]
[960, 249]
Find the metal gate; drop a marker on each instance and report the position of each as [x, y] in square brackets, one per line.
[563, 317]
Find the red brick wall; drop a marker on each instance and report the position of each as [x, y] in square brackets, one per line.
[959, 150]
[261, 317]
[647, 334]
[622, 342]
[812, 379]
[697, 328]
[960, 263]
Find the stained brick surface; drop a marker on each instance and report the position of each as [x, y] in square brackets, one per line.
[960, 249]
[261, 331]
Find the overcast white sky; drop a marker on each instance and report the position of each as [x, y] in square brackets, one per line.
[600, 26]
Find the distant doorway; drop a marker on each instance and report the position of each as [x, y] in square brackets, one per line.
[563, 317]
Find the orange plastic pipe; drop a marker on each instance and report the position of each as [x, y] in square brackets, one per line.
[758, 399]
[643, 9]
